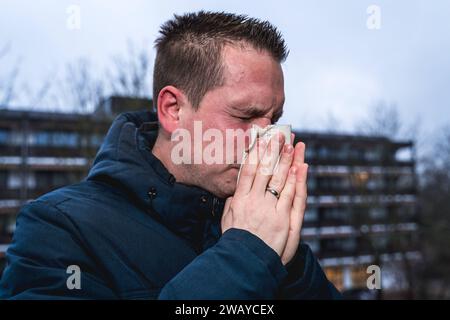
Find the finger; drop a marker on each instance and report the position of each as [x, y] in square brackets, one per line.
[249, 167]
[299, 203]
[281, 171]
[227, 205]
[284, 204]
[226, 213]
[299, 153]
[268, 163]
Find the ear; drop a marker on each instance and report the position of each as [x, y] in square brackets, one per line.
[170, 102]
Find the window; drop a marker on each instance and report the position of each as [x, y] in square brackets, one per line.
[346, 245]
[54, 179]
[373, 154]
[4, 136]
[381, 243]
[15, 180]
[314, 244]
[405, 181]
[3, 178]
[375, 183]
[66, 139]
[49, 138]
[332, 183]
[39, 139]
[356, 154]
[336, 214]
[360, 179]
[311, 183]
[96, 140]
[335, 275]
[310, 215]
[16, 138]
[310, 153]
[323, 152]
[378, 213]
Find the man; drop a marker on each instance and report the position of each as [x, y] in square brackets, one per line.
[145, 226]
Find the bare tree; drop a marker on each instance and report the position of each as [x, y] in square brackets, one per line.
[39, 96]
[434, 213]
[81, 88]
[332, 123]
[130, 74]
[8, 83]
[382, 120]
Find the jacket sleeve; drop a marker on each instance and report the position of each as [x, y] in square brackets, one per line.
[306, 279]
[242, 266]
[239, 266]
[43, 248]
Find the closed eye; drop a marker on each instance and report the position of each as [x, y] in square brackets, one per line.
[245, 119]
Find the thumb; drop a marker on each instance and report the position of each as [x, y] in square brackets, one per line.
[226, 214]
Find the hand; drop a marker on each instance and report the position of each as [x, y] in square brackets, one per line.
[258, 211]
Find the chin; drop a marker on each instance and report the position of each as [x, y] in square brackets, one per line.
[224, 185]
[228, 184]
[223, 194]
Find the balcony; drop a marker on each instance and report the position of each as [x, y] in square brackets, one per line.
[351, 231]
[339, 191]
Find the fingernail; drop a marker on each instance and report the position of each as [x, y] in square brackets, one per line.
[288, 148]
[293, 170]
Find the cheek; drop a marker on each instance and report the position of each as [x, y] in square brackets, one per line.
[230, 128]
[240, 137]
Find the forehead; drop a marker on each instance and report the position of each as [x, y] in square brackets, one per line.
[253, 77]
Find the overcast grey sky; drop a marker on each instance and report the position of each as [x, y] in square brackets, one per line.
[336, 64]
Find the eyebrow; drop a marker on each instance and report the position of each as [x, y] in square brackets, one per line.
[255, 112]
[251, 111]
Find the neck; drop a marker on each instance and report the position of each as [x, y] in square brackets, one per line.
[162, 150]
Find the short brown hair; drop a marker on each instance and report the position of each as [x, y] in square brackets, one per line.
[189, 49]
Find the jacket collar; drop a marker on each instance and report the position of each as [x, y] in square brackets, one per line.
[125, 160]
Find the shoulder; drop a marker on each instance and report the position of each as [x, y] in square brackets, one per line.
[71, 203]
[90, 206]
[92, 212]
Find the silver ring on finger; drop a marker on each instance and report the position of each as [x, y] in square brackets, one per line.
[273, 191]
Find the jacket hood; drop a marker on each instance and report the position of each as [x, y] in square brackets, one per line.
[125, 161]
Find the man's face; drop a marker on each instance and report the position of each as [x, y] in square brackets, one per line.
[253, 93]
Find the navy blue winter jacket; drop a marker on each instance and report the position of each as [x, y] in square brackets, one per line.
[135, 233]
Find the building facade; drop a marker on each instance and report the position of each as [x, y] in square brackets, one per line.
[362, 209]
